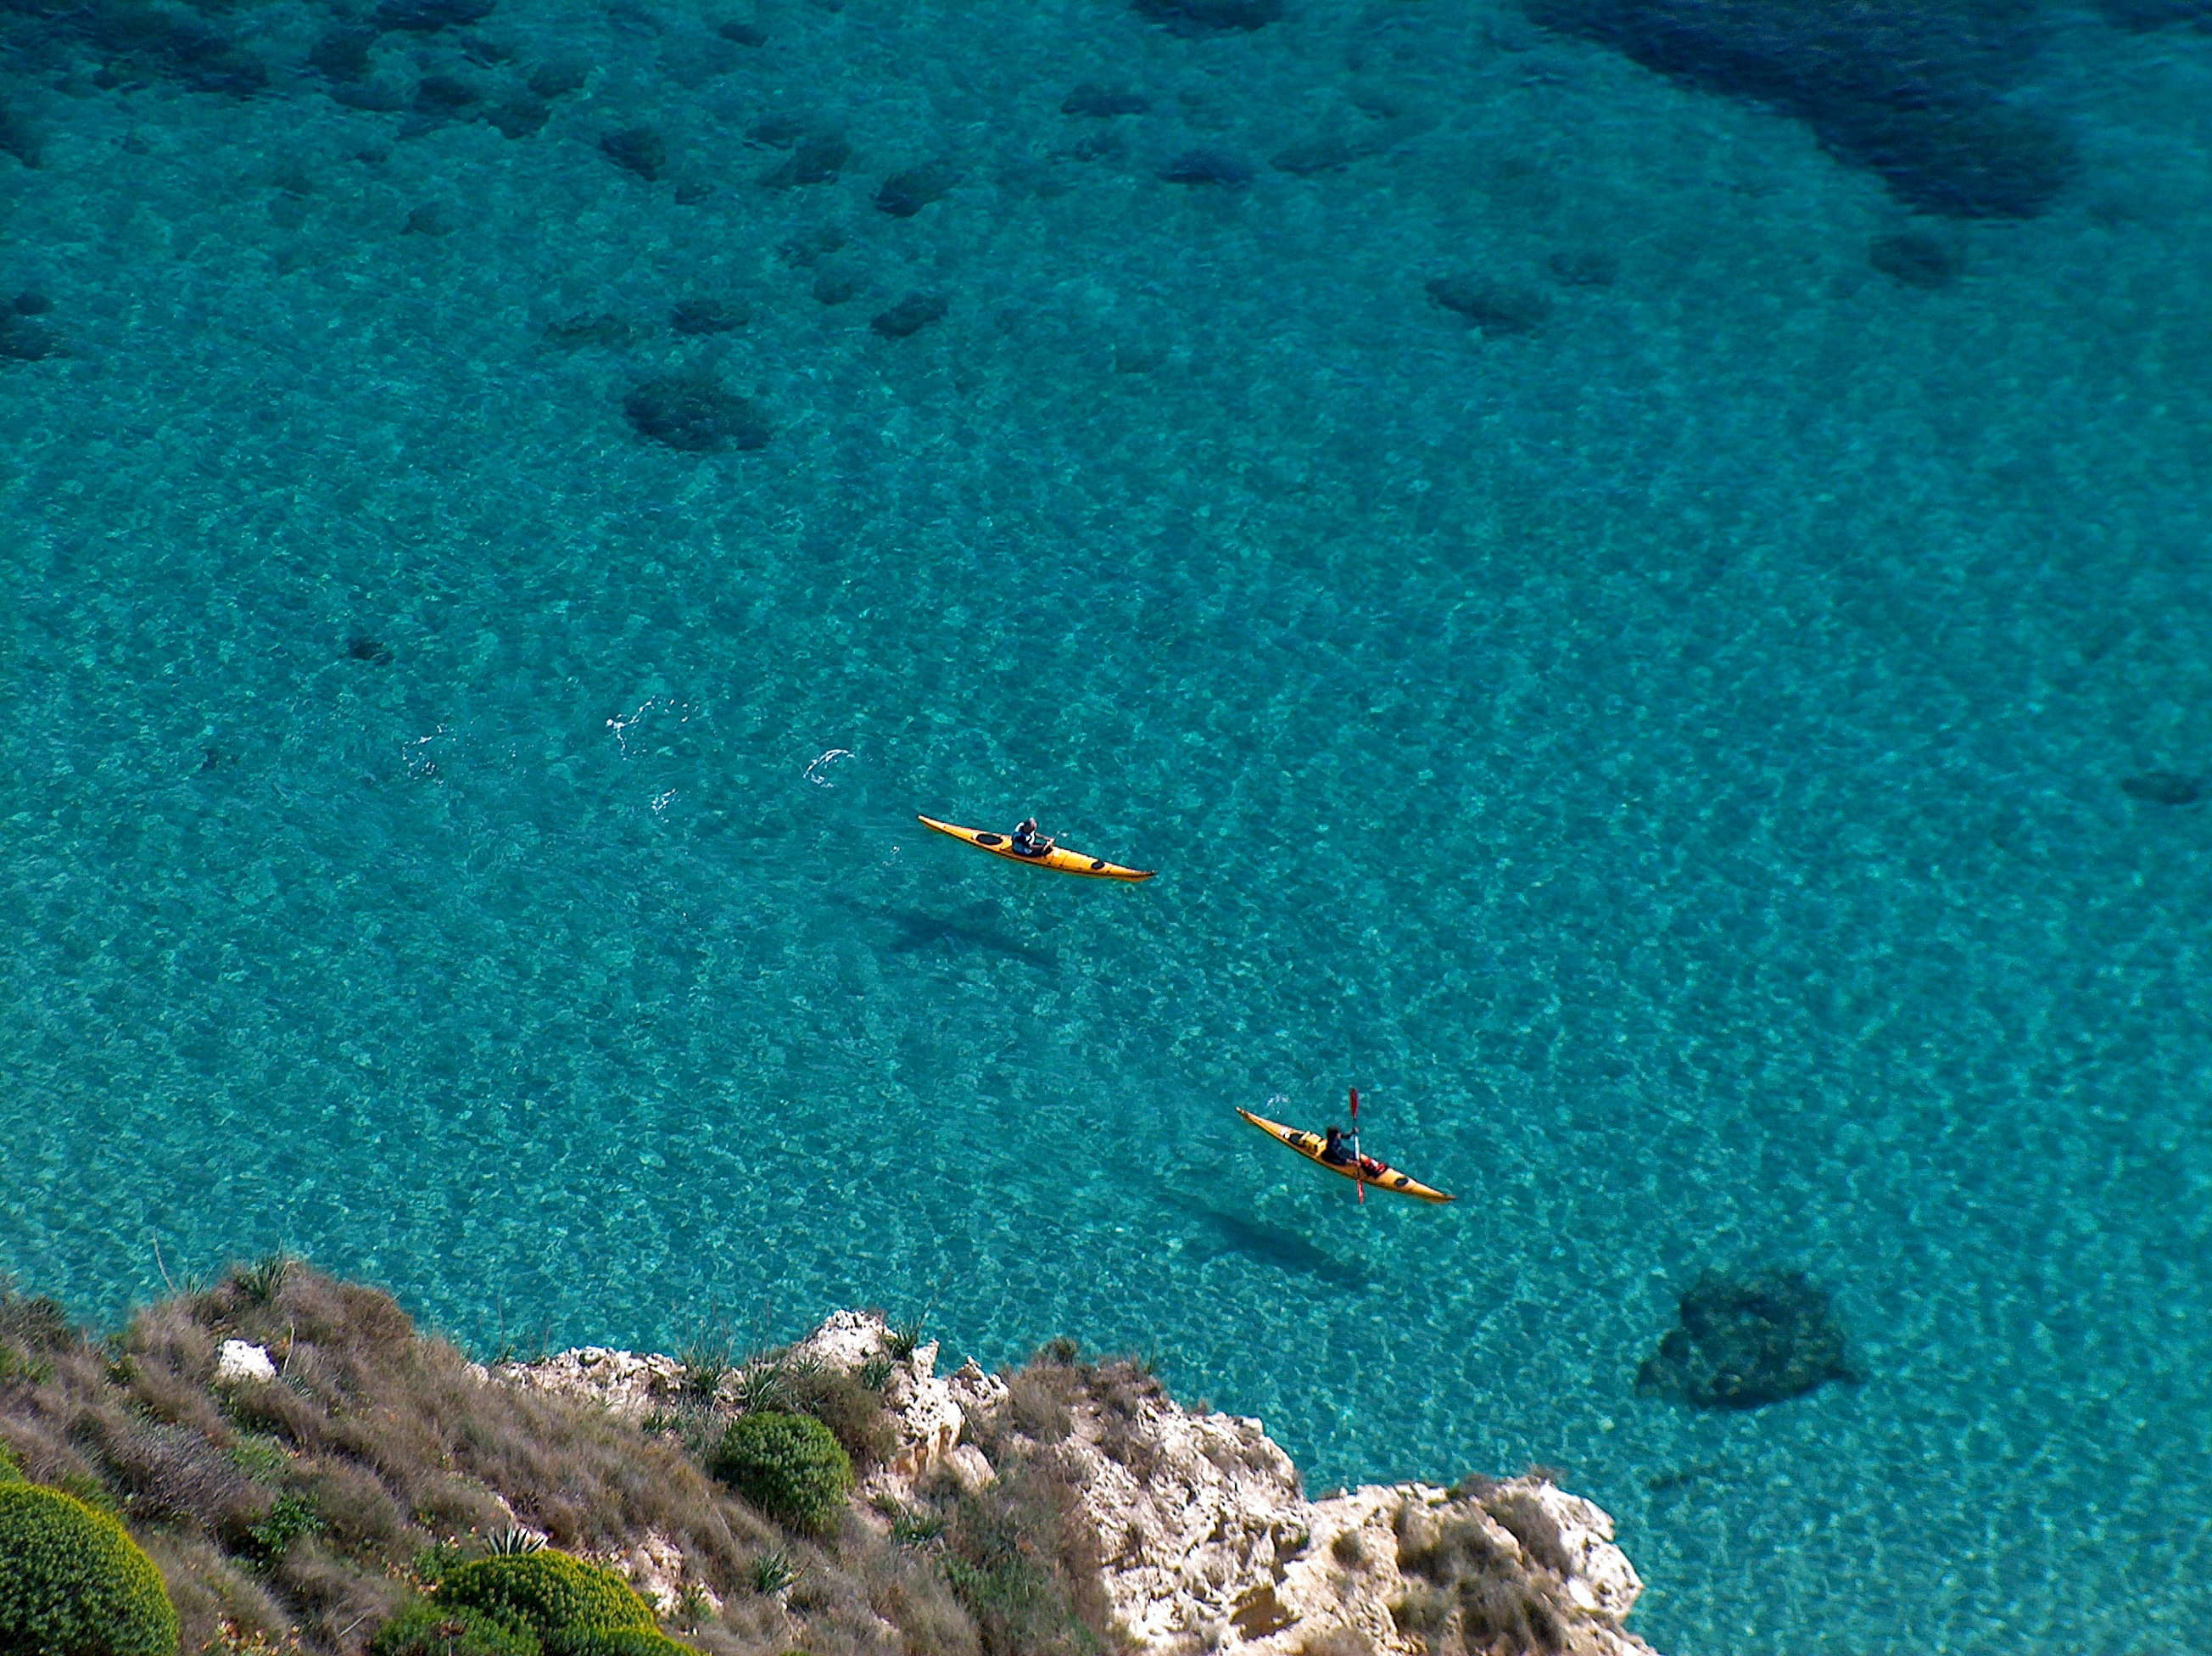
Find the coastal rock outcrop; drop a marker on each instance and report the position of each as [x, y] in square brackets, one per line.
[1205, 1539]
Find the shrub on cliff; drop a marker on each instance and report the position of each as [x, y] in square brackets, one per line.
[449, 1630]
[855, 1414]
[790, 1466]
[1024, 1565]
[548, 1592]
[388, 1441]
[1466, 1593]
[72, 1581]
[614, 1642]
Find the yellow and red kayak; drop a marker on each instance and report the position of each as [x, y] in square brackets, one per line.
[1068, 863]
[1380, 1175]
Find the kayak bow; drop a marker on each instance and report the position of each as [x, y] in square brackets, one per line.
[1310, 1145]
[1067, 862]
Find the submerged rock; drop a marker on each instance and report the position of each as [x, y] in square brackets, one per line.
[17, 139]
[1583, 267]
[811, 247]
[818, 159]
[775, 132]
[710, 315]
[341, 53]
[374, 97]
[1309, 157]
[1747, 1342]
[1489, 305]
[518, 117]
[23, 341]
[910, 315]
[170, 42]
[1917, 259]
[2163, 788]
[1915, 93]
[602, 329]
[1207, 166]
[559, 76]
[429, 16]
[1202, 17]
[445, 94]
[694, 412]
[904, 194]
[2139, 15]
[638, 150]
[432, 218]
[1103, 101]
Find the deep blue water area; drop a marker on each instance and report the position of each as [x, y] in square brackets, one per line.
[1662, 635]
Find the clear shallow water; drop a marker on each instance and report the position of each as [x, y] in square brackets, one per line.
[1669, 761]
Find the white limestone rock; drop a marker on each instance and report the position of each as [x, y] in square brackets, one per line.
[1208, 1543]
[655, 1566]
[237, 1363]
[927, 1413]
[845, 1341]
[1600, 1578]
[628, 1384]
[970, 1469]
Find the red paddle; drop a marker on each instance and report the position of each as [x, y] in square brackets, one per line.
[1358, 1167]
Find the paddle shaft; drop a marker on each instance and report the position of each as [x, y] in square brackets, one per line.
[1358, 1165]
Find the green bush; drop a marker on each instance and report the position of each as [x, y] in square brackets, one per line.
[14, 1365]
[72, 1581]
[288, 1518]
[614, 1642]
[9, 1472]
[548, 1592]
[790, 1466]
[449, 1630]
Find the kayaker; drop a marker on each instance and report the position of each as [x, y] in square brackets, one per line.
[1028, 842]
[1337, 1152]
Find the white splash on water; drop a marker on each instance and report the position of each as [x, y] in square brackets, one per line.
[818, 772]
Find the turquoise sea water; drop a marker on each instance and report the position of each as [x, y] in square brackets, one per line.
[1670, 759]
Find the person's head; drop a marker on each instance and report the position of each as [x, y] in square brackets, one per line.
[1029, 826]
[1334, 1133]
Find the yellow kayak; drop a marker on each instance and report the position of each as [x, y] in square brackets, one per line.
[1068, 863]
[1380, 1175]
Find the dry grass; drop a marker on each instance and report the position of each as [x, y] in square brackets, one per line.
[1337, 1641]
[1522, 1517]
[1468, 1595]
[1036, 1405]
[1024, 1564]
[853, 1413]
[306, 1511]
[311, 1508]
[1043, 1397]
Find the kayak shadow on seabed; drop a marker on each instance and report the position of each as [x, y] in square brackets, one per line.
[916, 931]
[1223, 1232]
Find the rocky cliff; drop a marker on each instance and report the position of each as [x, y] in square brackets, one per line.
[1203, 1537]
